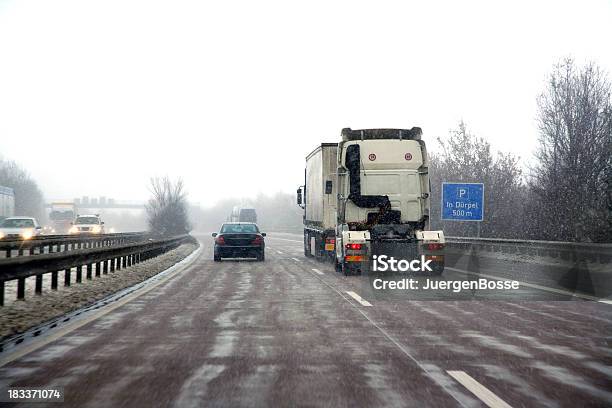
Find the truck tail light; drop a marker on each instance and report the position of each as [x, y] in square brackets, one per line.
[354, 258]
[220, 240]
[435, 247]
[257, 241]
[353, 246]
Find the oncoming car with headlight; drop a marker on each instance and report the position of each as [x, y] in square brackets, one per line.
[19, 228]
[87, 224]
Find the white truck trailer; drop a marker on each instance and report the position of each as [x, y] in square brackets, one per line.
[369, 195]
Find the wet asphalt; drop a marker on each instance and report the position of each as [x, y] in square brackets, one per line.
[286, 332]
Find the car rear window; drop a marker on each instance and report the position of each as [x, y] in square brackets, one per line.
[239, 228]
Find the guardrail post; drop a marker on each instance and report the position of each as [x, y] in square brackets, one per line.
[1, 293]
[89, 270]
[79, 277]
[118, 260]
[98, 271]
[39, 284]
[67, 277]
[54, 280]
[112, 265]
[105, 266]
[20, 288]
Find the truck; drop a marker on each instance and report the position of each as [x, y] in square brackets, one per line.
[61, 216]
[7, 202]
[243, 214]
[367, 195]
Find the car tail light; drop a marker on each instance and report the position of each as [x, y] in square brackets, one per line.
[435, 247]
[257, 241]
[220, 240]
[353, 246]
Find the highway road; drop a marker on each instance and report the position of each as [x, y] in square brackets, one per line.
[292, 332]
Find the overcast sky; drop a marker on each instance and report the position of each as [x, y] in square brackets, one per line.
[96, 97]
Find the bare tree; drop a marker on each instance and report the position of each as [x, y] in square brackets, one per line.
[571, 182]
[467, 158]
[28, 197]
[167, 209]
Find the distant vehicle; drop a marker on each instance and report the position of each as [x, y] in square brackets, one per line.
[62, 214]
[239, 240]
[7, 202]
[19, 228]
[369, 194]
[243, 214]
[87, 224]
[248, 215]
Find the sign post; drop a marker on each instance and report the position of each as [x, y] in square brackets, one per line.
[463, 202]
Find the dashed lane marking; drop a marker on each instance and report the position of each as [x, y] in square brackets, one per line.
[358, 298]
[317, 271]
[296, 260]
[279, 252]
[443, 385]
[479, 390]
[534, 286]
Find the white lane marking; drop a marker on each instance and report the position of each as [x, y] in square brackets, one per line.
[171, 272]
[317, 271]
[397, 344]
[479, 390]
[358, 298]
[279, 252]
[534, 286]
[296, 260]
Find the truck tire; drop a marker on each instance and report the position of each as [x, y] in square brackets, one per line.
[337, 266]
[216, 258]
[346, 269]
[307, 245]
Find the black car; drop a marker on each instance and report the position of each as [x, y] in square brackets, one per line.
[239, 240]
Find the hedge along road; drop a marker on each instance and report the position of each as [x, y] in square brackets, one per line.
[288, 332]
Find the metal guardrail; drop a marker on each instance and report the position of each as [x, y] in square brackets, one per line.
[101, 259]
[58, 243]
[568, 251]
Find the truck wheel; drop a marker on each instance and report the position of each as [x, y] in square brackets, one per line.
[216, 258]
[337, 266]
[307, 245]
[346, 270]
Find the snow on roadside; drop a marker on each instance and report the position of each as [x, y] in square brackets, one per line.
[18, 316]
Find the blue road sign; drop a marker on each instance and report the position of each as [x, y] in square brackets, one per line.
[462, 201]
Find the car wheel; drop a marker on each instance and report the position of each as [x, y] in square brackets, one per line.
[262, 256]
[217, 258]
